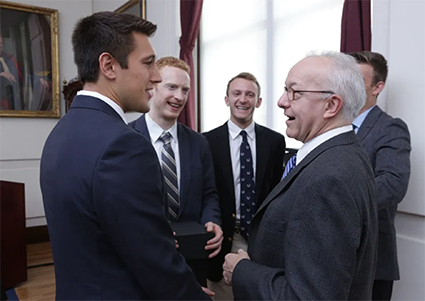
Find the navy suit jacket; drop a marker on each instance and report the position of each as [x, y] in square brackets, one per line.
[270, 150]
[386, 141]
[102, 193]
[314, 236]
[198, 194]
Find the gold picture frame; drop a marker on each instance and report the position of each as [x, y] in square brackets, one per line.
[133, 7]
[29, 65]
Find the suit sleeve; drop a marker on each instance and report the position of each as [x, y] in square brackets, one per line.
[318, 247]
[128, 199]
[210, 204]
[392, 164]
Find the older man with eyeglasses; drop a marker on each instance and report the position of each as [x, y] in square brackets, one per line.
[314, 237]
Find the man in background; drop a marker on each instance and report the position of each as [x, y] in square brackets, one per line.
[386, 141]
[189, 175]
[101, 181]
[248, 163]
[314, 237]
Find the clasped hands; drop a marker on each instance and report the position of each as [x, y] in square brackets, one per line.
[231, 260]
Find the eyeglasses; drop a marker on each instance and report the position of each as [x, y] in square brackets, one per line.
[291, 92]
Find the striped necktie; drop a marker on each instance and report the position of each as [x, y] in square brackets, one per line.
[290, 165]
[169, 171]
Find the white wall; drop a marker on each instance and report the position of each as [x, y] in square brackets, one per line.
[399, 34]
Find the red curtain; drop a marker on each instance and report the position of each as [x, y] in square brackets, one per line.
[356, 26]
[190, 19]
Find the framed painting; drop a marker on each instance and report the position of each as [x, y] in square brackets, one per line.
[134, 7]
[29, 61]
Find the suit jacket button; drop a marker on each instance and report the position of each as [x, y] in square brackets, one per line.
[234, 215]
[229, 239]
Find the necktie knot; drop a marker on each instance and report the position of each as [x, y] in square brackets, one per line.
[165, 137]
[243, 134]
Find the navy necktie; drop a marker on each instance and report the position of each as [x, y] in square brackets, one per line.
[290, 165]
[169, 171]
[247, 180]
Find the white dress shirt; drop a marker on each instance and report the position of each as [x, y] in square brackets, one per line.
[235, 140]
[155, 131]
[105, 99]
[316, 141]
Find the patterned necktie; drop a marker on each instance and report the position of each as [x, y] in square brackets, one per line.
[247, 180]
[290, 166]
[169, 171]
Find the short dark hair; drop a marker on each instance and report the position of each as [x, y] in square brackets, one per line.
[110, 32]
[247, 76]
[374, 59]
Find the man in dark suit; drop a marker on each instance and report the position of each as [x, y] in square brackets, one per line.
[266, 151]
[314, 237]
[197, 195]
[386, 141]
[101, 181]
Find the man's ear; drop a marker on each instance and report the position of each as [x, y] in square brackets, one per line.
[107, 65]
[226, 100]
[259, 102]
[333, 106]
[378, 88]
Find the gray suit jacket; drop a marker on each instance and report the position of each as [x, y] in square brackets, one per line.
[314, 237]
[386, 141]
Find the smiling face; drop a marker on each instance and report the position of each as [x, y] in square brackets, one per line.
[242, 100]
[133, 87]
[306, 112]
[170, 96]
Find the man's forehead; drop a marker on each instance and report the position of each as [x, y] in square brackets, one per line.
[310, 69]
[243, 84]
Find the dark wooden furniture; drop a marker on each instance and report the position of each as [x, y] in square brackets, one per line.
[13, 252]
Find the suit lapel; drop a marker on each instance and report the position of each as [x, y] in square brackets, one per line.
[184, 151]
[142, 127]
[262, 152]
[368, 123]
[222, 142]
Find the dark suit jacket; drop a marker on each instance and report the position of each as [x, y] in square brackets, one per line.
[386, 141]
[270, 150]
[315, 235]
[102, 194]
[198, 194]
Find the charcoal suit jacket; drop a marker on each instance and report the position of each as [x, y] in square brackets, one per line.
[314, 236]
[386, 141]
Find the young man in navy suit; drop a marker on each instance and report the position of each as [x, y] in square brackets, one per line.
[315, 235]
[240, 195]
[386, 141]
[197, 196]
[101, 181]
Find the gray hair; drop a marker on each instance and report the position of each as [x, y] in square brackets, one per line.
[346, 80]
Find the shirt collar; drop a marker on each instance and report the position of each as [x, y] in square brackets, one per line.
[109, 101]
[155, 131]
[359, 120]
[234, 130]
[316, 141]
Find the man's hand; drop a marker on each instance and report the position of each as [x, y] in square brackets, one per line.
[231, 260]
[9, 76]
[177, 243]
[208, 292]
[215, 242]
